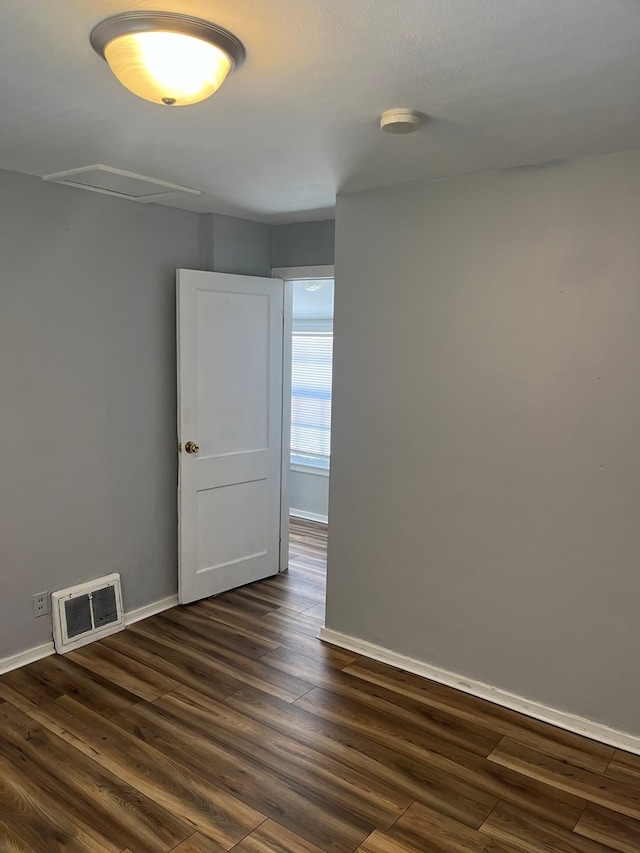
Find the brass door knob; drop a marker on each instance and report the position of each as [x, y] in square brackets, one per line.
[191, 447]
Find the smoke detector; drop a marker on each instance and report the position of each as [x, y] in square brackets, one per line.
[400, 121]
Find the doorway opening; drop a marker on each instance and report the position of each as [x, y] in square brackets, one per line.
[309, 332]
[311, 380]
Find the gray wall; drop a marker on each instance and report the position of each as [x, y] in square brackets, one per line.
[309, 494]
[485, 478]
[87, 383]
[303, 244]
[237, 245]
[252, 248]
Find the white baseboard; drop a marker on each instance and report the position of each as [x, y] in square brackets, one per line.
[28, 656]
[309, 516]
[570, 722]
[150, 609]
[46, 649]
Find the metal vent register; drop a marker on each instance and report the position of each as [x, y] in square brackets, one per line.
[87, 612]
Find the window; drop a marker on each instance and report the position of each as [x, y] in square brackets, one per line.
[312, 355]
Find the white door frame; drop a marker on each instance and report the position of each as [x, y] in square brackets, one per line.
[289, 274]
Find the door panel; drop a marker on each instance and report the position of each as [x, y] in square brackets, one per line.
[233, 403]
[230, 404]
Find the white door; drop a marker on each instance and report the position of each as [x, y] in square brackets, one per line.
[230, 333]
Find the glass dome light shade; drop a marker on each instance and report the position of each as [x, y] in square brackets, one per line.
[168, 68]
[167, 57]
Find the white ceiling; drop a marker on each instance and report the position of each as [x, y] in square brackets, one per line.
[505, 82]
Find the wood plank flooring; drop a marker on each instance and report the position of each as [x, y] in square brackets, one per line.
[227, 726]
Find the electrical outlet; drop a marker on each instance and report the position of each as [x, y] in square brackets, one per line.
[40, 604]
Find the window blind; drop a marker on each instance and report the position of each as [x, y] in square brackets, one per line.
[312, 355]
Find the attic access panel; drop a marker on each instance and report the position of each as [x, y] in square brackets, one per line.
[116, 182]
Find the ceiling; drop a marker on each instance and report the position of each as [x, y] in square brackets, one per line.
[505, 83]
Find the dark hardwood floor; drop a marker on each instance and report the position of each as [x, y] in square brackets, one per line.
[226, 725]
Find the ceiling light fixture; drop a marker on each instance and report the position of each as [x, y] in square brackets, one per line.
[167, 58]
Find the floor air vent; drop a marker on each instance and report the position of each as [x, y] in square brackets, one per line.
[86, 612]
